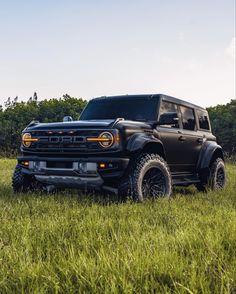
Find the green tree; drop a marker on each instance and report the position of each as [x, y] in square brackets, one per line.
[17, 116]
[223, 121]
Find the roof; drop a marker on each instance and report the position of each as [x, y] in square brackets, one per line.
[180, 101]
[150, 96]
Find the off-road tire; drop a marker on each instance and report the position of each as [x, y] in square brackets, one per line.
[22, 182]
[149, 177]
[216, 177]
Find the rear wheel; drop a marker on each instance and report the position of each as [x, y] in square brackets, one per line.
[149, 177]
[216, 178]
[22, 182]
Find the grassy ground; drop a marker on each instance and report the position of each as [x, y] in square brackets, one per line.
[70, 244]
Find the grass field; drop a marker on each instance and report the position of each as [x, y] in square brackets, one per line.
[66, 243]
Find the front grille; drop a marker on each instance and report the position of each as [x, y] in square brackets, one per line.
[66, 141]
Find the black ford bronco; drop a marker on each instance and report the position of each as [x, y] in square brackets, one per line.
[137, 145]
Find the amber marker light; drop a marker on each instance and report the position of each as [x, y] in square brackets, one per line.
[117, 138]
[27, 140]
[102, 165]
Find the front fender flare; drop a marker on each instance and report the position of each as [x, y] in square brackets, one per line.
[137, 142]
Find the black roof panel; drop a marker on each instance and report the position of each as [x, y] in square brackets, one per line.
[149, 96]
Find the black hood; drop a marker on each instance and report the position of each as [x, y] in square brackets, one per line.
[87, 124]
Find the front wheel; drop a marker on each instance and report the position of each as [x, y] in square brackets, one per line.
[149, 177]
[216, 178]
[22, 182]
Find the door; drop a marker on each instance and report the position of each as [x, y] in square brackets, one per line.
[171, 135]
[192, 138]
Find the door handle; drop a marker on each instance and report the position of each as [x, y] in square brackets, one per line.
[182, 138]
[200, 140]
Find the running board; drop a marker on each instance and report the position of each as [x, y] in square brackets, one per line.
[184, 178]
[110, 189]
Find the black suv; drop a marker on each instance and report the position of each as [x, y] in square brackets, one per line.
[137, 145]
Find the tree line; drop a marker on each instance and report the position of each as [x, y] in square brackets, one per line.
[15, 116]
[223, 122]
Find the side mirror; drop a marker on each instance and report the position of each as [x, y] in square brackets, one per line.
[67, 118]
[168, 118]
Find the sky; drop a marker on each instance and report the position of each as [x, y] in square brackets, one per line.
[182, 48]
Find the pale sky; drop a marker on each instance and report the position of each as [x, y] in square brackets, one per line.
[183, 48]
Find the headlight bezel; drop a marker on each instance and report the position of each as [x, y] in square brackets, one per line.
[110, 139]
[27, 140]
[106, 139]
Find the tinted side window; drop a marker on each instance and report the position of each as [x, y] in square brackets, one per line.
[168, 115]
[203, 120]
[188, 118]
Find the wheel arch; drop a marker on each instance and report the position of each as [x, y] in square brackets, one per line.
[210, 151]
[143, 143]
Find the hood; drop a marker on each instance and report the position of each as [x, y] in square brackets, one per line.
[133, 124]
[90, 124]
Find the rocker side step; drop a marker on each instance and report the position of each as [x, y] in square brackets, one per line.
[184, 178]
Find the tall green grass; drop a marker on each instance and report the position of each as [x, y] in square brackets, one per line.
[68, 243]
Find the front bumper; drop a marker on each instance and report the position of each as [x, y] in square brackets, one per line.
[73, 172]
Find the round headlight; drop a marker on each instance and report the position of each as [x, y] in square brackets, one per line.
[26, 140]
[107, 139]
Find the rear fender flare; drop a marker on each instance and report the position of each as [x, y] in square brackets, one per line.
[209, 149]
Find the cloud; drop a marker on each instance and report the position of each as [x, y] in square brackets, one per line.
[230, 50]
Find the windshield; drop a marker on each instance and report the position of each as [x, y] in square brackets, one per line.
[140, 109]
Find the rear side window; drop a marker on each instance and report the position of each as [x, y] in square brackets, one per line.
[203, 120]
[168, 115]
[188, 118]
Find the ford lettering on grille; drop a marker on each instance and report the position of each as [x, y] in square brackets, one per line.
[63, 139]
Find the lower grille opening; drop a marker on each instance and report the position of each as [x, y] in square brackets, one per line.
[55, 164]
